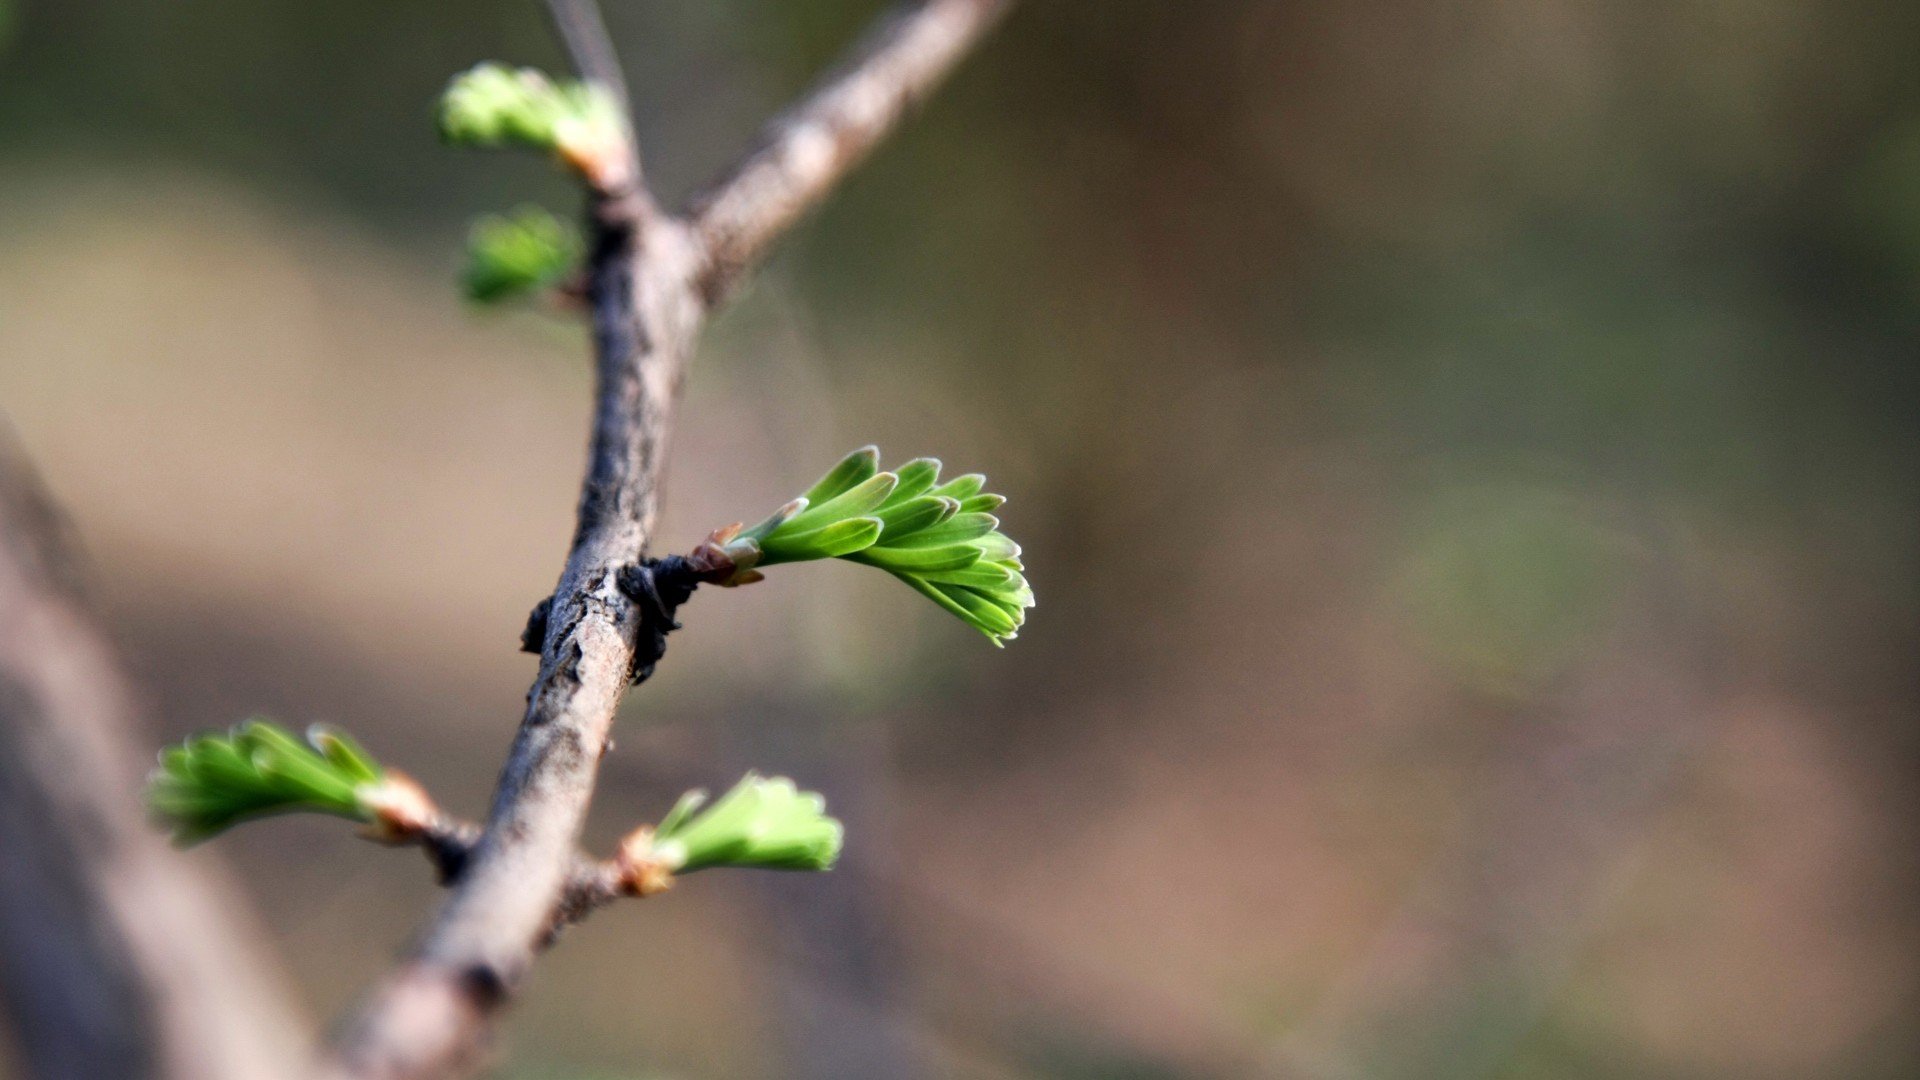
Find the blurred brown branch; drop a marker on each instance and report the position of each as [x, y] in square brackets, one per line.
[651, 281]
[805, 151]
[121, 959]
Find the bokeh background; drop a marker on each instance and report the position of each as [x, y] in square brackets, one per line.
[1465, 454]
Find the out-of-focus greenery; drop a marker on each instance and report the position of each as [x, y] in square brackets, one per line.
[492, 106]
[516, 254]
[1509, 584]
[1882, 198]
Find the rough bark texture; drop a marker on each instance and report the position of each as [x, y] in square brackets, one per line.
[591, 883]
[428, 1018]
[118, 957]
[651, 280]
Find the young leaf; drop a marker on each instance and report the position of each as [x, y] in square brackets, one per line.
[985, 576]
[766, 823]
[832, 541]
[344, 753]
[858, 500]
[997, 546]
[984, 613]
[927, 589]
[211, 781]
[918, 559]
[518, 253]
[955, 530]
[682, 810]
[773, 521]
[916, 478]
[939, 538]
[492, 105]
[962, 487]
[905, 519]
[851, 470]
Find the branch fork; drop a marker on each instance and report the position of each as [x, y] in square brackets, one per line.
[650, 280]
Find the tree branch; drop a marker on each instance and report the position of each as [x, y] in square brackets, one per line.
[581, 29]
[589, 47]
[121, 958]
[591, 883]
[651, 280]
[805, 151]
[432, 1016]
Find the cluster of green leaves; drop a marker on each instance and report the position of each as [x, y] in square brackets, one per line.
[212, 781]
[761, 822]
[513, 254]
[493, 105]
[940, 538]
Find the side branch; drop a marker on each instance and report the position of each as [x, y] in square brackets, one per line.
[805, 151]
[584, 34]
[621, 184]
[590, 883]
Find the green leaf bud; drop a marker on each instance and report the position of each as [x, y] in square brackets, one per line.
[210, 781]
[762, 823]
[939, 538]
[514, 254]
[492, 105]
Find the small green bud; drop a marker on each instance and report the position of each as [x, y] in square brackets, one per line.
[938, 538]
[210, 781]
[764, 823]
[492, 105]
[514, 254]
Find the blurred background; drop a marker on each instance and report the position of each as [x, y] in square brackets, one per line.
[1465, 455]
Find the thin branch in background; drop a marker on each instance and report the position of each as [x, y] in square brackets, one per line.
[804, 152]
[623, 199]
[120, 959]
[589, 46]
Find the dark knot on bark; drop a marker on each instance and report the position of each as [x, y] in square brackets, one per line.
[658, 587]
[533, 636]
